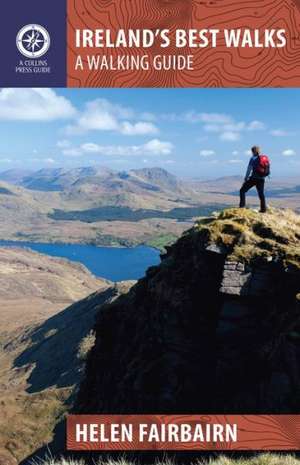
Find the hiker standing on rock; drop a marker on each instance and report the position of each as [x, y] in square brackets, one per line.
[258, 169]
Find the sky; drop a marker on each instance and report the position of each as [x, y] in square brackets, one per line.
[199, 133]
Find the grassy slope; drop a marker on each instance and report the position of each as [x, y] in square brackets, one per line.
[262, 459]
[35, 288]
[247, 235]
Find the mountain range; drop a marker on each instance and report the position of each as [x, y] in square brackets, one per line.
[145, 179]
[79, 205]
[60, 179]
[100, 206]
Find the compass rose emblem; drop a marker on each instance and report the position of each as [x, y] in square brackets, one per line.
[33, 41]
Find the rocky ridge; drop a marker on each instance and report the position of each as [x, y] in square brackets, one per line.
[213, 328]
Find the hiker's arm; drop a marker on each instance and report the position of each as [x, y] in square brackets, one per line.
[249, 169]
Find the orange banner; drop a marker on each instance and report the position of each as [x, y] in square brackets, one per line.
[233, 43]
[183, 432]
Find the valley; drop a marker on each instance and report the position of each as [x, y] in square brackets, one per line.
[99, 206]
[33, 289]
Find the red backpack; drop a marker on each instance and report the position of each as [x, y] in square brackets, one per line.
[262, 166]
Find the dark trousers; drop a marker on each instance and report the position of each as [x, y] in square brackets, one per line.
[260, 187]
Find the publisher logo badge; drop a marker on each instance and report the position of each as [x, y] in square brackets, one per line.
[33, 41]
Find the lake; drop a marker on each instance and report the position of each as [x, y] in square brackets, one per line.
[113, 263]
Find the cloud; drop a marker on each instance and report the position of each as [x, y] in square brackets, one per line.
[225, 125]
[154, 147]
[211, 118]
[194, 117]
[230, 136]
[158, 147]
[216, 121]
[63, 144]
[34, 105]
[147, 116]
[235, 152]
[235, 160]
[72, 152]
[288, 153]
[139, 128]
[99, 115]
[90, 147]
[234, 127]
[256, 126]
[211, 128]
[102, 115]
[49, 161]
[279, 133]
[207, 153]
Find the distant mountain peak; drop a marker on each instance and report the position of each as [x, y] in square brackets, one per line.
[153, 171]
[14, 176]
[157, 176]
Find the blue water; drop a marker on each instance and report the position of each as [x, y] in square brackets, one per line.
[113, 263]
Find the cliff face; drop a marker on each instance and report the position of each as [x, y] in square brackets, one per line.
[213, 328]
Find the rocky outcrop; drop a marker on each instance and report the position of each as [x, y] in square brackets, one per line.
[213, 328]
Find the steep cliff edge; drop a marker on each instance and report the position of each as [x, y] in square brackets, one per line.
[213, 328]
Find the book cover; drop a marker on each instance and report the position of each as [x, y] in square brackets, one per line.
[150, 232]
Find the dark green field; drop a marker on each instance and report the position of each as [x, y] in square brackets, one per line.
[111, 213]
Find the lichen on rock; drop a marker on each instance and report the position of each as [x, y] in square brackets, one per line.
[248, 236]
